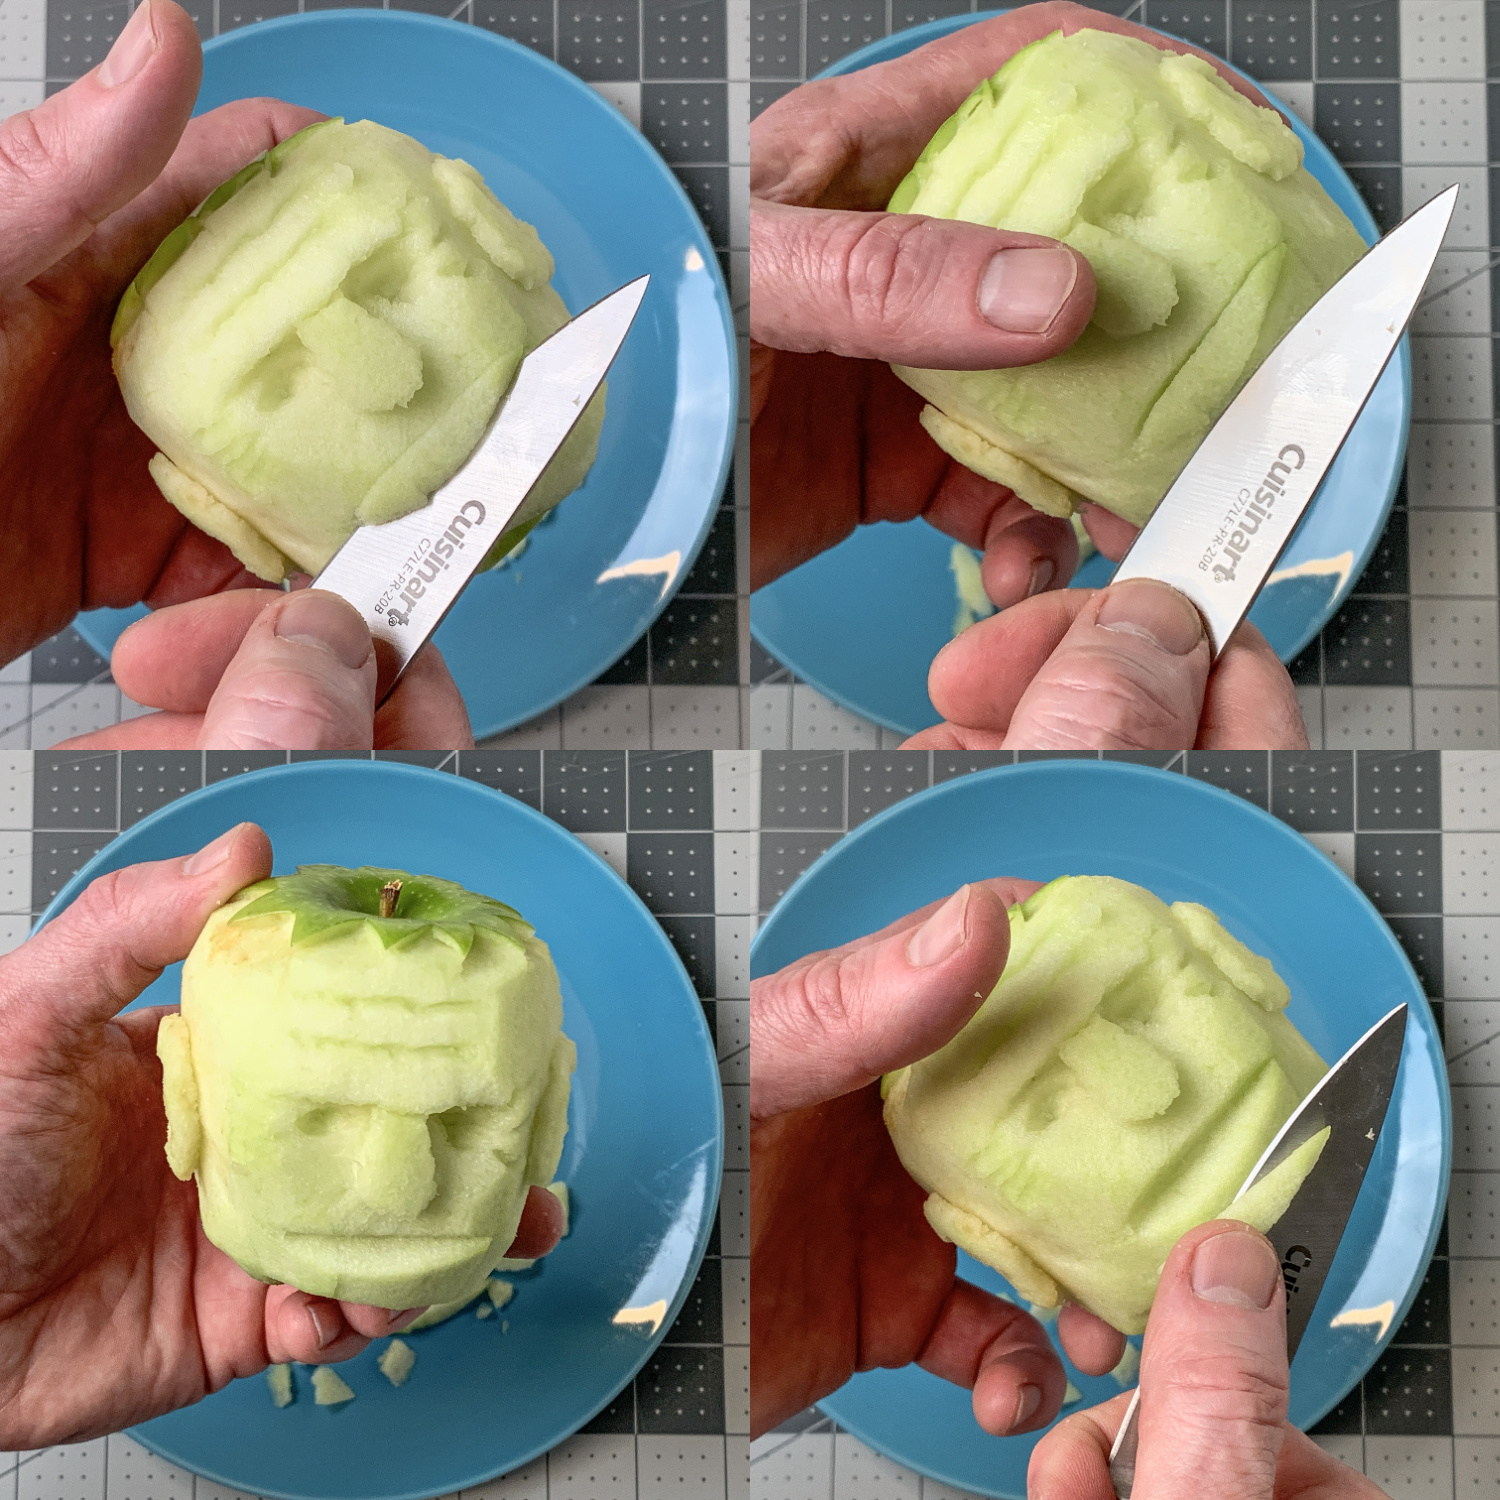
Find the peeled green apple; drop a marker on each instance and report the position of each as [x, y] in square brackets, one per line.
[324, 342]
[1207, 237]
[1114, 1090]
[367, 1075]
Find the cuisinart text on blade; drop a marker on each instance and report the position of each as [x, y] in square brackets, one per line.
[1219, 530]
[404, 576]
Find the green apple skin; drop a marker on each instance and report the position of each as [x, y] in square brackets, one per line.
[325, 341]
[1114, 1090]
[1207, 237]
[364, 1101]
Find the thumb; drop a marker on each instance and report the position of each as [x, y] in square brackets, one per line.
[302, 679]
[835, 1021]
[910, 290]
[68, 164]
[1214, 1369]
[1129, 674]
[118, 936]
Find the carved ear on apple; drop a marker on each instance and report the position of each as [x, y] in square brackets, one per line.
[367, 1076]
[1114, 1090]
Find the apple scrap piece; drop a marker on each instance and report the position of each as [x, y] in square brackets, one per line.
[396, 1361]
[1207, 237]
[323, 343]
[1114, 1090]
[367, 1076]
[279, 1378]
[329, 1387]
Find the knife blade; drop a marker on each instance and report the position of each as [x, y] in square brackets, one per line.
[1220, 528]
[405, 575]
[1350, 1102]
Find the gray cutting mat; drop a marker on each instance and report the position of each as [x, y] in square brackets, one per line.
[1420, 833]
[677, 69]
[1402, 90]
[679, 826]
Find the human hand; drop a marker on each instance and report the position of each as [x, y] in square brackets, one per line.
[839, 288]
[1213, 1392]
[90, 183]
[1123, 668]
[259, 669]
[848, 1273]
[115, 1307]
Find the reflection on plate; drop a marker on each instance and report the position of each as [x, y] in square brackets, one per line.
[1273, 890]
[891, 584]
[643, 1164]
[522, 638]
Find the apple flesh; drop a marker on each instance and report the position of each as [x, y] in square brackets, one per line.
[366, 1099]
[1207, 237]
[1114, 1090]
[325, 341]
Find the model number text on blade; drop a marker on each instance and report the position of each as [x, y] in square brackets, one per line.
[421, 566]
[1236, 533]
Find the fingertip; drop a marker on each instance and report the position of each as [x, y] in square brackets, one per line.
[377, 1322]
[1094, 1347]
[1026, 555]
[244, 843]
[1012, 1395]
[313, 1330]
[541, 1226]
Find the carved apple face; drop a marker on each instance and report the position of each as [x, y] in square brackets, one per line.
[1114, 1090]
[364, 1099]
[325, 341]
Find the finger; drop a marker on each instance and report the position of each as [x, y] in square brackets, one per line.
[1026, 553]
[144, 732]
[1251, 701]
[1214, 1369]
[377, 1322]
[118, 936]
[1110, 533]
[1002, 1354]
[425, 711]
[1130, 674]
[1072, 1461]
[541, 1226]
[311, 1330]
[302, 679]
[88, 150]
[1305, 1472]
[978, 679]
[174, 658]
[833, 1022]
[1092, 1345]
[936, 293]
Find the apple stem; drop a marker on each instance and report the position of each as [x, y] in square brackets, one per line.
[390, 894]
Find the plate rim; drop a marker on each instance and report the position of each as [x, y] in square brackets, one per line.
[878, 51]
[404, 771]
[1190, 787]
[91, 625]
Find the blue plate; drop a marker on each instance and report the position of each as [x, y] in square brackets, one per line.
[643, 1161]
[1271, 888]
[594, 577]
[891, 584]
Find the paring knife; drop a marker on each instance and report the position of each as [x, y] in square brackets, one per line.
[405, 575]
[1219, 530]
[1350, 1102]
